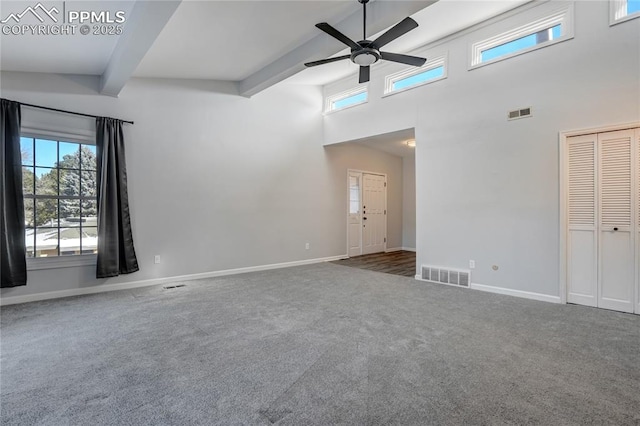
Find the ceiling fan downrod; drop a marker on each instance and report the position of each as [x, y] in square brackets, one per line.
[364, 18]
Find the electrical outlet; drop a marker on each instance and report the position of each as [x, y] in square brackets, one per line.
[156, 259]
[307, 246]
[472, 264]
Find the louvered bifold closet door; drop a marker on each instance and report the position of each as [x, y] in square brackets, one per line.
[582, 238]
[617, 268]
[636, 155]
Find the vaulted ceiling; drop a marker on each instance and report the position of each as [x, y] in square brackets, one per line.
[253, 43]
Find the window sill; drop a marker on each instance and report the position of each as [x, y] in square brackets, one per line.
[625, 18]
[61, 262]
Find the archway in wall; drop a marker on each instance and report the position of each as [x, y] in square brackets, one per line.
[375, 179]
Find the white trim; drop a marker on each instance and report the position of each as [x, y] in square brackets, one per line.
[400, 249]
[437, 62]
[55, 262]
[499, 290]
[562, 141]
[330, 100]
[564, 212]
[11, 300]
[564, 17]
[618, 12]
[517, 293]
[602, 129]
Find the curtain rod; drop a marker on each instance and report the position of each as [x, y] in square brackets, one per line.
[66, 112]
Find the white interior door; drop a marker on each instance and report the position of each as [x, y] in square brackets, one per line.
[617, 239]
[354, 216]
[374, 223]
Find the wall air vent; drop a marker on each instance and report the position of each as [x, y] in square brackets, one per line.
[519, 113]
[437, 274]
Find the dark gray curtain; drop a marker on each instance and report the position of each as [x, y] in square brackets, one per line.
[12, 240]
[116, 254]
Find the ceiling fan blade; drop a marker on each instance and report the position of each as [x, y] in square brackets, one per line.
[403, 59]
[326, 61]
[364, 74]
[401, 28]
[338, 35]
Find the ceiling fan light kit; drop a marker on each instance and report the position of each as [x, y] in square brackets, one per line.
[366, 52]
[365, 57]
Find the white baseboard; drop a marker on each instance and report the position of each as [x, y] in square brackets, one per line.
[12, 300]
[501, 290]
[389, 250]
[517, 293]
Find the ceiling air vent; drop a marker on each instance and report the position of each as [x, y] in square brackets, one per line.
[457, 277]
[519, 113]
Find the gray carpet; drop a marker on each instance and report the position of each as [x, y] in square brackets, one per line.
[320, 344]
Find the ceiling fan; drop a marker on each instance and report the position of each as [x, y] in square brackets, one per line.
[367, 52]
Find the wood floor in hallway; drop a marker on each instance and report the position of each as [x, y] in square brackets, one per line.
[396, 262]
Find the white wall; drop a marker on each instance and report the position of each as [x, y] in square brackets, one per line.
[216, 181]
[488, 188]
[409, 202]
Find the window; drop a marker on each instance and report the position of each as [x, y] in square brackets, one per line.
[59, 186]
[543, 32]
[433, 70]
[521, 43]
[623, 10]
[354, 194]
[346, 99]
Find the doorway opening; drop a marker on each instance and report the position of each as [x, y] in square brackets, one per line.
[378, 218]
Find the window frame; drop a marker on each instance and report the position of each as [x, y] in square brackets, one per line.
[437, 62]
[330, 100]
[563, 17]
[618, 12]
[60, 261]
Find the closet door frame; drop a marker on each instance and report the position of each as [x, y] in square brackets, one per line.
[564, 208]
